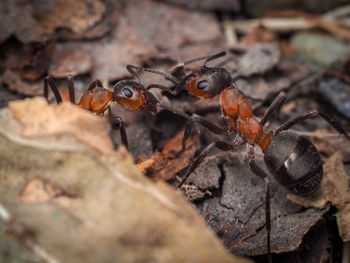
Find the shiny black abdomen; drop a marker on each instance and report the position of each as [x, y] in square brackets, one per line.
[295, 163]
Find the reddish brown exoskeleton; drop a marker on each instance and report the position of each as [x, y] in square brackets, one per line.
[129, 93]
[291, 158]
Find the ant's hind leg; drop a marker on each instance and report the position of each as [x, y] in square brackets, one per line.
[257, 170]
[273, 108]
[310, 114]
[48, 83]
[117, 123]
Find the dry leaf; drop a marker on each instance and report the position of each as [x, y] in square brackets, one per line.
[259, 59]
[13, 81]
[77, 15]
[165, 165]
[334, 189]
[114, 215]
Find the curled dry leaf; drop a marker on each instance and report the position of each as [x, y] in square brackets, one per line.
[166, 164]
[67, 196]
[334, 189]
[41, 119]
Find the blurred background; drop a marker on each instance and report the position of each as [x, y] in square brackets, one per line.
[300, 47]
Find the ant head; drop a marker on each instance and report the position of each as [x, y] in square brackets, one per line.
[130, 94]
[207, 82]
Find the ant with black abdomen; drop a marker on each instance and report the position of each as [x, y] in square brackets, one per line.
[290, 157]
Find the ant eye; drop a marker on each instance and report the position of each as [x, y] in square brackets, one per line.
[202, 84]
[127, 92]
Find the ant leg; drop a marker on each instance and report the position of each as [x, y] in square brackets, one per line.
[192, 128]
[255, 168]
[274, 107]
[48, 83]
[310, 114]
[94, 84]
[222, 145]
[118, 121]
[71, 89]
[210, 126]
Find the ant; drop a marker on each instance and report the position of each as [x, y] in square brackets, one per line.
[129, 93]
[290, 157]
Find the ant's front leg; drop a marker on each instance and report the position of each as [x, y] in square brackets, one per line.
[192, 128]
[221, 145]
[49, 83]
[117, 123]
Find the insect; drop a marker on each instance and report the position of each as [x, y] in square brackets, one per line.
[129, 93]
[290, 157]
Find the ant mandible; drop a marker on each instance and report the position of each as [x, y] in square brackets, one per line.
[290, 157]
[129, 93]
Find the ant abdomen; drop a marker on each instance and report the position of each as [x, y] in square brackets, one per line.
[295, 163]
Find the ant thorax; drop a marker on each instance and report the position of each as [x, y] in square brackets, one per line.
[230, 99]
[238, 115]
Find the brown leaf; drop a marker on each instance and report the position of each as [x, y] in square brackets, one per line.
[334, 189]
[165, 165]
[163, 24]
[237, 213]
[68, 60]
[35, 60]
[75, 15]
[328, 142]
[118, 216]
[143, 32]
[40, 119]
[259, 59]
[15, 83]
[16, 19]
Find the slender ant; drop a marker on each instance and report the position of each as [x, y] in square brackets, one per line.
[290, 157]
[131, 94]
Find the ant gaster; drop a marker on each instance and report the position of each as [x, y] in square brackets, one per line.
[290, 157]
[129, 93]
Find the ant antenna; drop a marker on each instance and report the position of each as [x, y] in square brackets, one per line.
[214, 56]
[207, 57]
[164, 74]
[133, 73]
